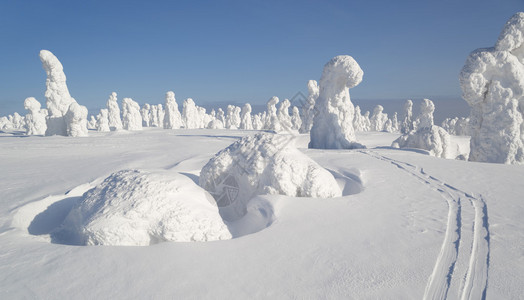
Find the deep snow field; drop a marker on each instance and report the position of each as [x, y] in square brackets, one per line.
[408, 225]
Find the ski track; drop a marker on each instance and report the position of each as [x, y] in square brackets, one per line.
[476, 278]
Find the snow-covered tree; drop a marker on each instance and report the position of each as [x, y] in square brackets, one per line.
[272, 121]
[221, 117]
[145, 112]
[153, 116]
[283, 115]
[131, 118]
[246, 120]
[378, 119]
[57, 94]
[308, 109]
[407, 121]
[35, 123]
[160, 115]
[102, 123]
[492, 82]
[258, 124]
[295, 119]
[427, 136]
[76, 120]
[190, 114]
[172, 118]
[115, 121]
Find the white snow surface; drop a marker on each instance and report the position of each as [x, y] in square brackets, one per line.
[140, 208]
[265, 163]
[419, 226]
[334, 112]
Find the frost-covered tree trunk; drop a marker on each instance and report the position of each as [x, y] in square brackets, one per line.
[145, 112]
[492, 82]
[190, 114]
[35, 122]
[115, 121]
[308, 109]
[102, 123]
[172, 118]
[57, 94]
[246, 122]
[333, 122]
[76, 120]
[132, 120]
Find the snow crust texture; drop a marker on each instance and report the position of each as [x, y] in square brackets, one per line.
[492, 82]
[334, 112]
[263, 164]
[139, 208]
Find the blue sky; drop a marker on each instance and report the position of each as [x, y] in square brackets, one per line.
[240, 51]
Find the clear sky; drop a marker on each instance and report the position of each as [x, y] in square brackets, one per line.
[240, 51]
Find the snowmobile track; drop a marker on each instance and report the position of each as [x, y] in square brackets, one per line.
[476, 278]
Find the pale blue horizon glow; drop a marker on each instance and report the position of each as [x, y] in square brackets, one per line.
[240, 51]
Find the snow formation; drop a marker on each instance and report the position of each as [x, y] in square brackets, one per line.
[407, 122]
[246, 120]
[492, 82]
[115, 122]
[190, 114]
[102, 123]
[272, 121]
[172, 117]
[35, 122]
[378, 118]
[131, 118]
[76, 120]
[57, 94]
[296, 121]
[308, 109]
[333, 121]
[140, 208]
[265, 163]
[427, 136]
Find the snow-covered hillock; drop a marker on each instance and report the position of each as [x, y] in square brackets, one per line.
[138, 208]
[263, 164]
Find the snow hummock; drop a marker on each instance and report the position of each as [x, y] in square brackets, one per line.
[427, 136]
[492, 82]
[35, 122]
[334, 112]
[140, 208]
[265, 163]
[57, 94]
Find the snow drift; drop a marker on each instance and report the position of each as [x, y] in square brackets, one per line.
[263, 164]
[139, 208]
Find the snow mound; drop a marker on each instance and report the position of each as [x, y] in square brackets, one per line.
[263, 164]
[138, 208]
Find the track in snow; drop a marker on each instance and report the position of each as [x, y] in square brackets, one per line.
[474, 283]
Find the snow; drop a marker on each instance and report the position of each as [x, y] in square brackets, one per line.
[492, 84]
[246, 119]
[378, 119]
[115, 121]
[57, 94]
[35, 120]
[102, 123]
[308, 108]
[172, 117]
[272, 120]
[140, 208]
[334, 112]
[407, 123]
[388, 238]
[131, 118]
[76, 120]
[263, 164]
[190, 114]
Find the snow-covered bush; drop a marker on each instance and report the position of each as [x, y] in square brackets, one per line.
[333, 121]
[246, 122]
[140, 208]
[172, 117]
[35, 122]
[190, 114]
[378, 118]
[102, 123]
[76, 120]
[492, 82]
[131, 120]
[308, 109]
[265, 163]
[57, 94]
[427, 136]
[115, 121]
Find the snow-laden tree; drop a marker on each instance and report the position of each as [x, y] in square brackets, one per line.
[258, 124]
[160, 115]
[145, 112]
[333, 122]
[492, 82]
[102, 123]
[153, 116]
[407, 121]
[5, 123]
[283, 115]
[57, 94]
[308, 109]
[35, 123]
[236, 119]
[91, 123]
[395, 124]
[76, 120]
[115, 120]
[18, 121]
[190, 114]
[131, 118]
[359, 122]
[220, 116]
[246, 120]
[427, 136]
[272, 121]
[378, 118]
[296, 121]
[172, 118]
